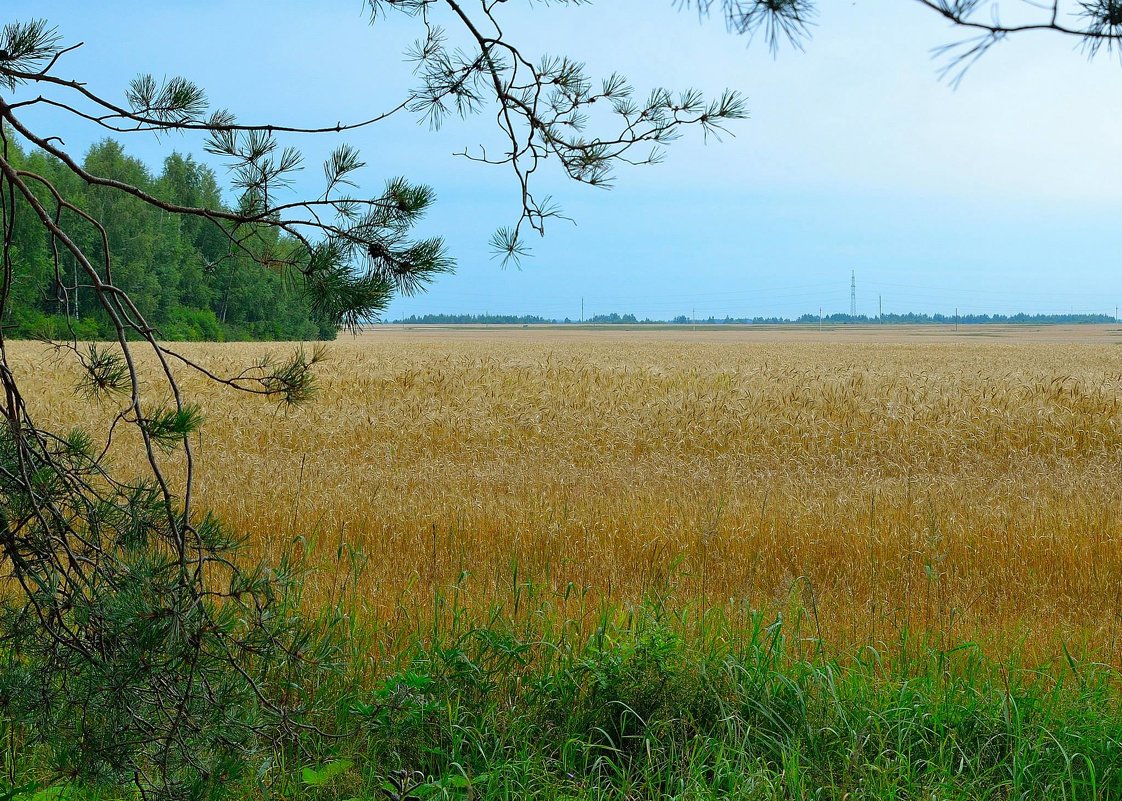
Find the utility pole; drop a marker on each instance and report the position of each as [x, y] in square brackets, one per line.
[956, 319]
[819, 318]
[880, 306]
[582, 310]
[852, 293]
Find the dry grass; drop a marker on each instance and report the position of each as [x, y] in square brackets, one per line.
[966, 488]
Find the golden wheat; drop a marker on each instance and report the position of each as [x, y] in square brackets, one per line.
[967, 489]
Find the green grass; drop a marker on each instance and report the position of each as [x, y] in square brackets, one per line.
[661, 706]
[658, 703]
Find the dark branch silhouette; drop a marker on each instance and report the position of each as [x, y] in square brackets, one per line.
[124, 603]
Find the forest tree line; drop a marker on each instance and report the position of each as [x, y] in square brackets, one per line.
[910, 318]
[183, 273]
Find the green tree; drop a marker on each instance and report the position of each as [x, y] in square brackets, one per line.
[138, 649]
[172, 267]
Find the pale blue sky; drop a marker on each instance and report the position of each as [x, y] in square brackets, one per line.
[1000, 196]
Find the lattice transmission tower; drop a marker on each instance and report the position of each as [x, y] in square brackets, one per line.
[853, 293]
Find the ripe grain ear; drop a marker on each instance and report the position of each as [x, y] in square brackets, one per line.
[961, 491]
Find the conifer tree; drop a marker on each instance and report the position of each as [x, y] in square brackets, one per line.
[1096, 24]
[136, 644]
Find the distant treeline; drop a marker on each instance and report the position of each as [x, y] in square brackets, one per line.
[477, 319]
[910, 318]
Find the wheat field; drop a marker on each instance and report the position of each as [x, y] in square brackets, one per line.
[961, 488]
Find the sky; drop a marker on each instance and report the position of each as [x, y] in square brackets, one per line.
[1000, 195]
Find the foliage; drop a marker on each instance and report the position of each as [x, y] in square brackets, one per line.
[141, 648]
[662, 704]
[1097, 25]
[474, 319]
[909, 318]
[179, 272]
[134, 659]
[665, 701]
[138, 648]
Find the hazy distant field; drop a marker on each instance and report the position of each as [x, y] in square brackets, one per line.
[964, 485]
